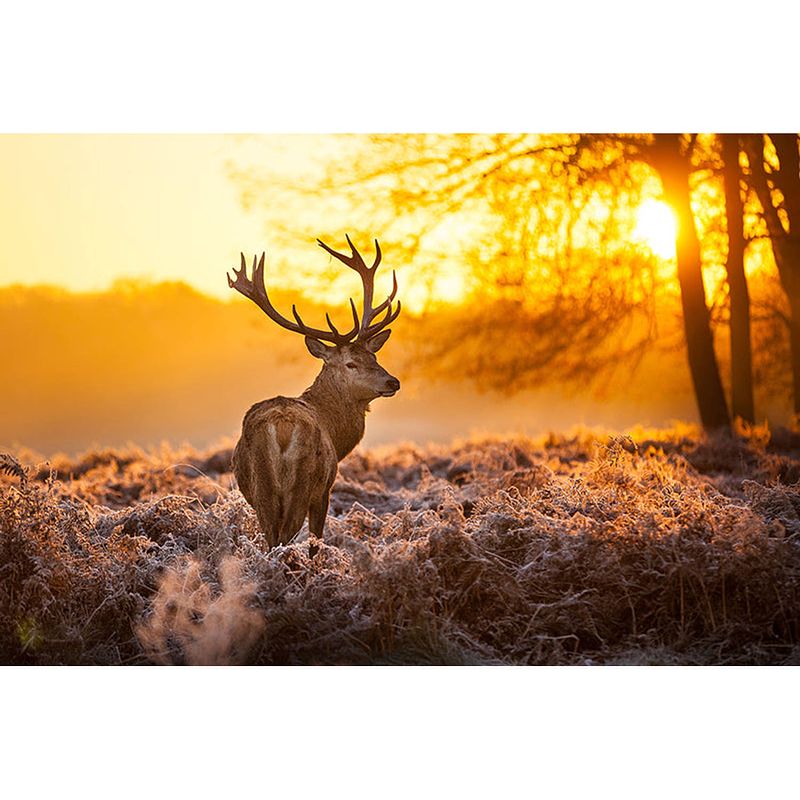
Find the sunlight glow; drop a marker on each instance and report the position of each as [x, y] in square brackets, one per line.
[656, 228]
[449, 288]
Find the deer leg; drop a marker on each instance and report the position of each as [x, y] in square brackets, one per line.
[268, 522]
[316, 522]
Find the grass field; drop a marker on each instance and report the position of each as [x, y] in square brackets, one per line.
[663, 547]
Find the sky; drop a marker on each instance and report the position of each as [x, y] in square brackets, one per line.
[83, 210]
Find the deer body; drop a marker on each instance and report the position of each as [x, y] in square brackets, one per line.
[286, 459]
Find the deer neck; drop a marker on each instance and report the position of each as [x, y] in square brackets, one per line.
[342, 417]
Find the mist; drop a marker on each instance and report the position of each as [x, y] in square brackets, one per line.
[150, 363]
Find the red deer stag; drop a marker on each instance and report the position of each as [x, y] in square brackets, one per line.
[286, 458]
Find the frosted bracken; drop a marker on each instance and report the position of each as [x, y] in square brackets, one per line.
[663, 547]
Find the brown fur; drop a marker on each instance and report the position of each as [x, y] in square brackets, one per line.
[286, 458]
[283, 433]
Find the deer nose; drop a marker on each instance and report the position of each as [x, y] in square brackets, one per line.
[393, 384]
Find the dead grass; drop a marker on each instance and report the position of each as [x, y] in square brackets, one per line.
[663, 547]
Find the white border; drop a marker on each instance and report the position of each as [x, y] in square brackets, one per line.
[361, 66]
[358, 66]
[400, 732]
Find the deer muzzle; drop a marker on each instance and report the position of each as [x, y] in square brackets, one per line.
[392, 387]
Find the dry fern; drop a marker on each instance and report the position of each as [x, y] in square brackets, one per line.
[11, 466]
[663, 547]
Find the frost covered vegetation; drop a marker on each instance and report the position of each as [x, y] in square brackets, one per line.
[663, 548]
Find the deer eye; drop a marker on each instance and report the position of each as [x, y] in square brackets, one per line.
[350, 365]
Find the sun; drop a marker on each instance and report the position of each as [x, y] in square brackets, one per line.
[656, 228]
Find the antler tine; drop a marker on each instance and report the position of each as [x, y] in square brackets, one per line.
[355, 313]
[258, 275]
[296, 315]
[355, 261]
[377, 327]
[378, 256]
[388, 300]
[237, 275]
[330, 323]
[256, 291]
[356, 323]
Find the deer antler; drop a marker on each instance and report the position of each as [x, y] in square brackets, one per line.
[368, 327]
[256, 291]
[363, 330]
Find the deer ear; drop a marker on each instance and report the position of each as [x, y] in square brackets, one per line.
[376, 342]
[318, 349]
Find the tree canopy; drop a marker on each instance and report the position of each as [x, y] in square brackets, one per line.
[527, 247]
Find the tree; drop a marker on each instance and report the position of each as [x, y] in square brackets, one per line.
[559, 294]
[559, 291]
[673, 165]
[740, 346]
[777, 187]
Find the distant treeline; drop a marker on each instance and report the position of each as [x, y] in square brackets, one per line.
[147, 363]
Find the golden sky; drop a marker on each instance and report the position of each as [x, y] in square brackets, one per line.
[82, 210]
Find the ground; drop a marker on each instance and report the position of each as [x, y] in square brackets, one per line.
[658, 547]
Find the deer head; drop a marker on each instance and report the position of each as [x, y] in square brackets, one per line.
[350, 360]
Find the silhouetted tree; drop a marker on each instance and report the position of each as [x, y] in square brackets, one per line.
[583, 310]
[585, 307]
[740, 347]
[672, 162]
[781, 214]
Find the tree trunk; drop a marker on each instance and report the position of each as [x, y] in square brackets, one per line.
[785, 244]
[741, 358]
[674, 169]
[787, 178]
[788, 181]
